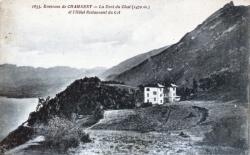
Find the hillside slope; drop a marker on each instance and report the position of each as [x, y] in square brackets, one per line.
[81, 103]
[130, 63]
[215, 53]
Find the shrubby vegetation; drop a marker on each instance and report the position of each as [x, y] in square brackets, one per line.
[61, 134]
[233, 83]
[146, 104]
[229, 131]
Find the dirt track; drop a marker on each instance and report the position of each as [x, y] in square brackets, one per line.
[161, 134]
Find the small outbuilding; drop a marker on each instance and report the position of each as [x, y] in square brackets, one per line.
[170, 94]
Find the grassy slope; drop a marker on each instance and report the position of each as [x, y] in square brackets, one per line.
[158, 118]
[130, 63]
[221, 129]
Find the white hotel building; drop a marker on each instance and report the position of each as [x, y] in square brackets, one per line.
[158, 94]
[154, 94]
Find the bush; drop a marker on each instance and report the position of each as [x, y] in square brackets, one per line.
[146, 104]
[62, 134]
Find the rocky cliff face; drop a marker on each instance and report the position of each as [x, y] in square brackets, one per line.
[219, 47]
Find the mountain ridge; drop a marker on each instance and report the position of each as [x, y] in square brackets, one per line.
[27, 81]
[130, 63]
[216, 46]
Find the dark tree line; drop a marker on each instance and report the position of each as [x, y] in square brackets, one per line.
[221, 81]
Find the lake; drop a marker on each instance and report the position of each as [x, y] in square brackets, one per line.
[13, 112]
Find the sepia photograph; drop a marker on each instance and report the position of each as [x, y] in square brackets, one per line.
[124, 77]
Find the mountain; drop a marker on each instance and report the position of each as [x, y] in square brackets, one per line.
[215, 54]
[130, 63]
[25, 81]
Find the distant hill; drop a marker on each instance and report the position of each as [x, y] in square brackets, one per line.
[130, 63]
[25, 81]
[215, 53]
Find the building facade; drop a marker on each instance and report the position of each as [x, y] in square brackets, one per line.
[170, 94]
[154, 94]
[158, 94]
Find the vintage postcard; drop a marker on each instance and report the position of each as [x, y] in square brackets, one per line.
[124, 77]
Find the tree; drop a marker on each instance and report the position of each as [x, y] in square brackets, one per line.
[195, 86]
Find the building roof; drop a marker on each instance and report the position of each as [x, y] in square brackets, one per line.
[173, 85]
[160, 85]
[155, 85]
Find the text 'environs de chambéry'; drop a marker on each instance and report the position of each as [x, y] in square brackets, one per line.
[76, 6]
[68, 6]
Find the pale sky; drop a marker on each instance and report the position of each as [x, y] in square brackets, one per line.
[51, 37]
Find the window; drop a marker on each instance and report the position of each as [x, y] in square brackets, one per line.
[154, 92]
[154, 99]
[148, 89]
[160, 95]
[148, 100]
[147, 94]
[161, 101]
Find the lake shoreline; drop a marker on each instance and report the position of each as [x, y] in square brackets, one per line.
[13, 112]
